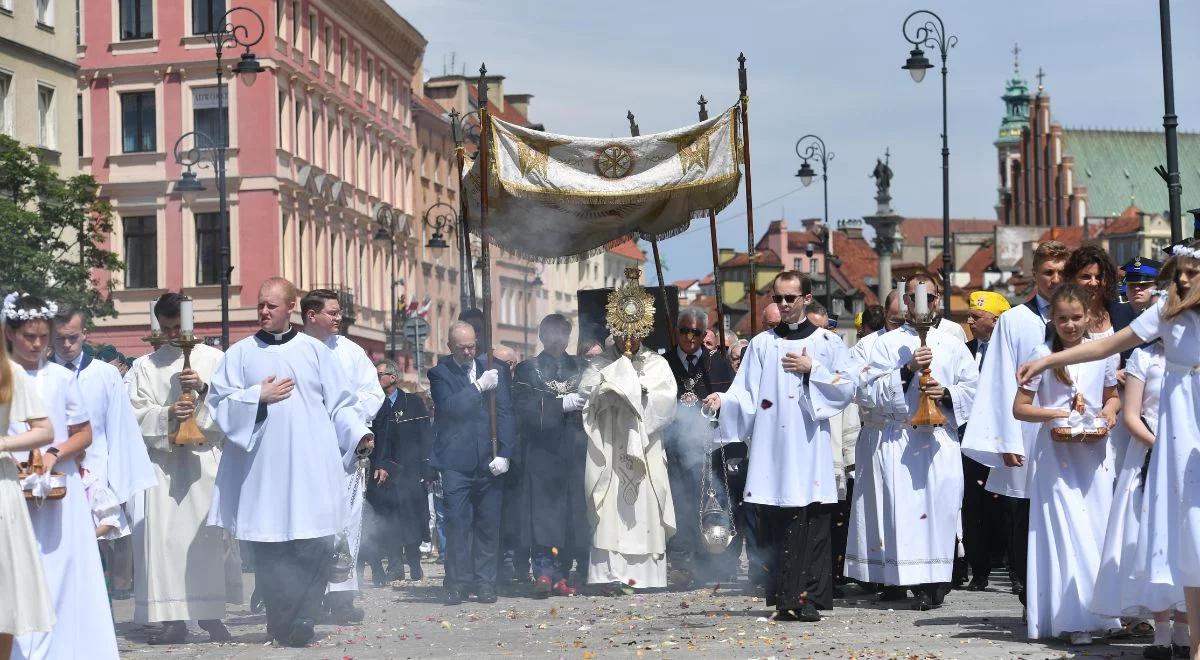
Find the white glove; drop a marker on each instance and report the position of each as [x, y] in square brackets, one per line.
[573, 402]
[499, 465]
[487, 380]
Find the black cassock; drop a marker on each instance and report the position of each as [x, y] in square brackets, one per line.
[554, 451]
[710, 372]
[403, 435]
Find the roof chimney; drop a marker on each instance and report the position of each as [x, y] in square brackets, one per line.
[853, 229]
[519, 102]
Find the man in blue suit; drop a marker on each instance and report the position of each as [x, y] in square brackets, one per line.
[462, 451]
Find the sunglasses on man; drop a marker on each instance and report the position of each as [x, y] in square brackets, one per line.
[694, 332]
[788, 298]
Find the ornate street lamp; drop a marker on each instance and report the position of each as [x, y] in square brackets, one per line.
[444, 217]
[932, 34]
[225, 34]
[808, 148]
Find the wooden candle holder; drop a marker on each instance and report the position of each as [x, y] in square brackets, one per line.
[928, 413]
[189, 432]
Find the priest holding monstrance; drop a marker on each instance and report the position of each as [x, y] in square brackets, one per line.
[631, 397]
[908, 488]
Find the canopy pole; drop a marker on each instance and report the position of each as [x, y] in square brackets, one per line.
[634, 131]
[712, 235]
[744, 102]
[485, 130]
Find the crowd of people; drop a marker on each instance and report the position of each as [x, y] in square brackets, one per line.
[1058, 442]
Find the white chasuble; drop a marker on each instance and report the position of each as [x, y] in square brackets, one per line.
[909, 488]
[1070, 494]
[117, 455]
[187, 570]
[992, 430]
[786, 416]
[67, 540]
[281, 475]
[630, 401]
[360, 371]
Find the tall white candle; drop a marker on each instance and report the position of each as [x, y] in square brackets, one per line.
[187, 324]
[155, 326]
[922, 301]
[900, 287]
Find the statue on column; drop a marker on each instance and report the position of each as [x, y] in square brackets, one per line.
[883, 177]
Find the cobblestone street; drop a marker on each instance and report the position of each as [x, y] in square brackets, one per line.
[407, 620]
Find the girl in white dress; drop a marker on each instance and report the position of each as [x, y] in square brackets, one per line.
[1117, 592]
[1070, 483]
[1171, 554]
[27, 605]
[65, 534]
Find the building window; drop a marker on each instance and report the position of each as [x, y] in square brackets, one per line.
[141, 253]
[79, 122]
[6, 103]
[312, 36]
[6, 5]
[328, 47]
[44, 10]
[208, 248]
[282, 111]
[342, 57]
[797, 264]
[370, 78]
[138, 122]
[812, 266]
[137, 19]
[279, 18]
[207, 16]
[78, 24]
[47, 136]
[296, 24]
[207, 118]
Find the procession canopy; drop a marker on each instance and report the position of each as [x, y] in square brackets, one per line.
[558, 198]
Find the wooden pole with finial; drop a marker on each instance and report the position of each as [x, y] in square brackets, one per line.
[635, 131]
[744, 102]
[485, 178]
[716, 259]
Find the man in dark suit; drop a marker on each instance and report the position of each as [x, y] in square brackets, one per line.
[397, 487]
[462, 451]
[698, 372]
[554, 522]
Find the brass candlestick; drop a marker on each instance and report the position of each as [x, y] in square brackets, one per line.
[928, 413]
[156, 339]
[189, 432]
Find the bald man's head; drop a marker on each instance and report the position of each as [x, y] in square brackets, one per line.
[771, 316]
[276, 300]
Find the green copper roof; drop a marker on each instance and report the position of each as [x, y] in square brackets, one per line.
[1118, 169]
[1016, 104]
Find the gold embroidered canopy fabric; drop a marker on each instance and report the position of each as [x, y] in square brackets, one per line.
[555, 197]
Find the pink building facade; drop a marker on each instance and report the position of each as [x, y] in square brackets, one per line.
[321, 150]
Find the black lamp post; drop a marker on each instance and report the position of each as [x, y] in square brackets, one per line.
[225, 34]
[1170, 126]
[460, 131]
[390, 224]
[931, 34]
[529, 286]
[808, 148]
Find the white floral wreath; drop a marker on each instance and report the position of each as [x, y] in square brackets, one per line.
[1182, 251]
[11, 313]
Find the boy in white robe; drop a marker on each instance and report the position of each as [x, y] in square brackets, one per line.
[793, 379]
[909, 489]
[187, 570]
[994, 437]
[288, 412]
[322, 314]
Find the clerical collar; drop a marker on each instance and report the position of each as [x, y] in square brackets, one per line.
[276, 338]
[795, 330]
[683, 355]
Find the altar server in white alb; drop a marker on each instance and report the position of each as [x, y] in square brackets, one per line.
[793, 379]
[117, 457]
[289, 416]
[65, 534]
[322, 314]
[186, 569]
[1071, 479]
[994, 437]
[909, 486]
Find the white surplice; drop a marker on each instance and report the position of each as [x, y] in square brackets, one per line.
[909, 483]
[117, 455]
[993, 429]
[281, 475]
[629, 403]
[361, 372]
[1169, 553]
[1070, 493]
[786, 417]
[185, 568]
[67, 540]
[1118, 590]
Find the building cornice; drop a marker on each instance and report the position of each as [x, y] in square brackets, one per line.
[387, 28]
[64, 66]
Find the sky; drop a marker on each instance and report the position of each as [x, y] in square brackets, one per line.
[831, 68]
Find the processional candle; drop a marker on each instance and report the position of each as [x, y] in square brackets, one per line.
[922, 301]
[155, 326]
[187, 324]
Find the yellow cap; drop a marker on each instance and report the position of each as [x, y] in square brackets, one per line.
[858, 321]
[989, 301]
